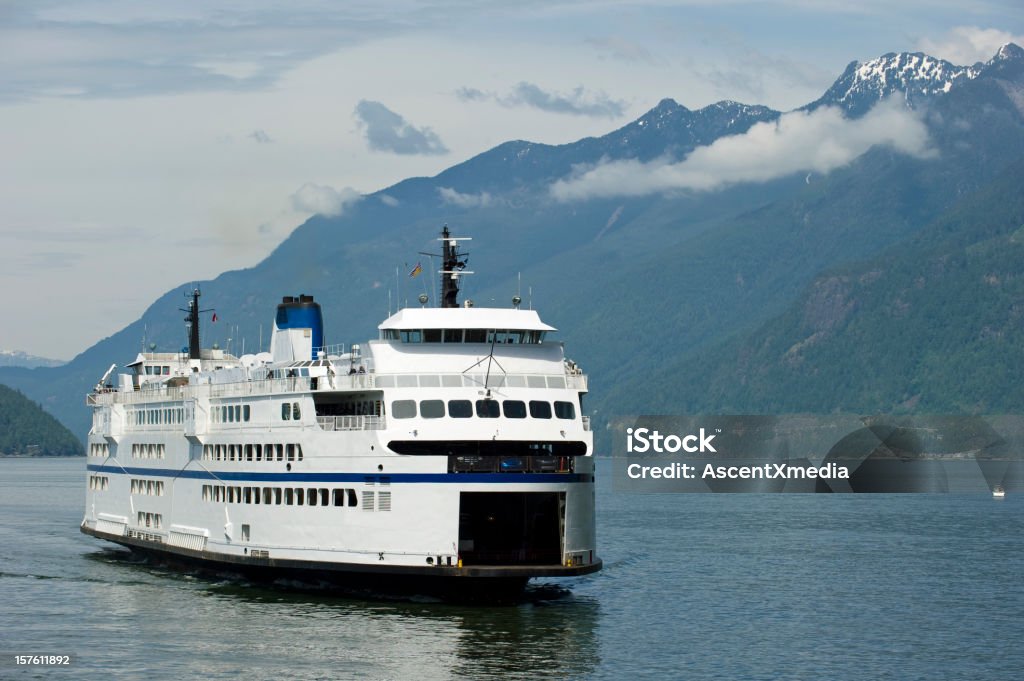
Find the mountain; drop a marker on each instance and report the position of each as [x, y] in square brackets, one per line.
[934, 324]
[17, 358]
[27, 430]
[517, 169]
[913, 75]
[640, 286]
[916, 77]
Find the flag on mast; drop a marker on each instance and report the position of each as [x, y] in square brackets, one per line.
[416, 270]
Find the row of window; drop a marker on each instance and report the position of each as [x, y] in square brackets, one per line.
[99, 450]
[469, 381]
[268, 452]
[231, 413]
[500, 336]
[150, 519]
[290, 411]
[351, 408]
[163, 370]
[157, 417]
[148, 451]
[485, 409]
[287, 496]
[153, 488]
[99, 482]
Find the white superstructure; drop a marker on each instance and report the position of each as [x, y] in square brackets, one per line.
[452, 447]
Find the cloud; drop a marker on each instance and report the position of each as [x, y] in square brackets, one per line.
[116, 48]
[800, 141]
[625, 50]
[756, 74]
[471, 94]
[323, 200]
[260, 137]
[385, 130]
[966, 45]
[450, 196]
[579, 102]
[43, 261]
[388, 200]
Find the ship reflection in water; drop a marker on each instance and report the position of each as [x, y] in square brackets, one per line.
[291, 630]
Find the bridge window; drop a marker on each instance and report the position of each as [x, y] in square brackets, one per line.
[460, 409]
[565, 410]
[431, 335]
[487, 409]
[403, 409]
[432, 409]
[540, 409]
[476, 335]
[514, 409]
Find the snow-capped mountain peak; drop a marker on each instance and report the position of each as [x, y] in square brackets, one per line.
[1007, 52]
[913, 74]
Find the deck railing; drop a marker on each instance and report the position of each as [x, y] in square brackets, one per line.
[366, 422]
[300, 384]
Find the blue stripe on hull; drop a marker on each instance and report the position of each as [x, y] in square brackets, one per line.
[246, 476]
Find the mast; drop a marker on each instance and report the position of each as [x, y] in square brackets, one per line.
[192, 321]
[452, 265]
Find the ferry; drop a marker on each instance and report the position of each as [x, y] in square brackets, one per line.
[449, 455]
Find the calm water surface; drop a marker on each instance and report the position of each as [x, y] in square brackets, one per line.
[695, 587]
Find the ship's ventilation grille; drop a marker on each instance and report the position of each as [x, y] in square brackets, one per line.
[187, 537]
[111, 524]
[384, 501]
[368, 504]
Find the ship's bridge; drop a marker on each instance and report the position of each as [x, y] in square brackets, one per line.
[465, 325]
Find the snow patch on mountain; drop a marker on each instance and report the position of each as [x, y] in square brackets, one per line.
[17, 358]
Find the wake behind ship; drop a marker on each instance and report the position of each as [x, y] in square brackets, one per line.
[449, 455]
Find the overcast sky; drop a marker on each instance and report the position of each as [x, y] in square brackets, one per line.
[147, 144]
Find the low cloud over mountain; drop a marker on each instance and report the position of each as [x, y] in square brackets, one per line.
[799, 141]
[322, 200]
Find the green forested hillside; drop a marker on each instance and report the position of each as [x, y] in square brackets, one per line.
[27, 430]
[934, 324]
